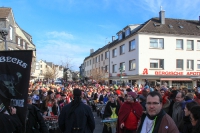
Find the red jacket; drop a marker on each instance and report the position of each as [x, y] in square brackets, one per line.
[124, 112]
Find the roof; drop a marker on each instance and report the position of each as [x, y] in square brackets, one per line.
[4, 12]
[153, 25]
[172, 26]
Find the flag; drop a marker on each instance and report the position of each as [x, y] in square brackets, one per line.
[15, 67]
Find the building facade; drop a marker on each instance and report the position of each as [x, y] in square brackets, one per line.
[162, 50]
[16, 38]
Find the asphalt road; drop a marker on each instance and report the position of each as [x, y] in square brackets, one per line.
[98, 124]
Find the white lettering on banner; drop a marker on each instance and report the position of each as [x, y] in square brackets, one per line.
[17, 102]
[13, 60]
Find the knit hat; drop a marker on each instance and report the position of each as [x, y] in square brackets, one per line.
[133, 94]
[77, 92]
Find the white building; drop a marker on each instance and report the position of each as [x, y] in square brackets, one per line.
[160, 50]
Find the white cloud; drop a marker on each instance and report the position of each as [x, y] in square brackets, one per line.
[59, 35]
[58, 48]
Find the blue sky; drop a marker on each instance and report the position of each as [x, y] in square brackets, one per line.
[64, 31]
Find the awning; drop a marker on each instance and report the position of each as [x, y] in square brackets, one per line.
[176, 79]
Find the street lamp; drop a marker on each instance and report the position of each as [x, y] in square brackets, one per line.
[121, 69]
[4, 33]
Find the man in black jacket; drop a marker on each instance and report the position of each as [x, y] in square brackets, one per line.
[76, 117]
[35, 121]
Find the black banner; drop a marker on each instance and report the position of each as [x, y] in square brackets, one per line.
[15, 67]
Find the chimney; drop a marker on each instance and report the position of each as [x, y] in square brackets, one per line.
[113, 38]
[199, 19]
[162, 16]
[91, 51]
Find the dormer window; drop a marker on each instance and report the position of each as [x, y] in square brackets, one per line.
[156, 24]
[127, 32]
[120, 36]
[181, 27]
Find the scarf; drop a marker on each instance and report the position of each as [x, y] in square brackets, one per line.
[158, 117]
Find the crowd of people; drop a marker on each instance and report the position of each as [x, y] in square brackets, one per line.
[156, 109]
[136, 109]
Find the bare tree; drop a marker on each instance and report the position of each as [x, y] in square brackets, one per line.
[98, 75]
[67, 63]
[51, 72]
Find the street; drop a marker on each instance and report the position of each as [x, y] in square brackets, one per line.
[98, 124]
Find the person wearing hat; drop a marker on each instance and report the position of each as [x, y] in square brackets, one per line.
[9, 123]
[76, 117]
[129, 114]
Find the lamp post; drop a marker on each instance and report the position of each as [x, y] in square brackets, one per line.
[4, 33]
[121, 68]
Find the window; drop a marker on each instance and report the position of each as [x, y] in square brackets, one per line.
[157, 63]
[190, 64]
[198, 64]
[179, 44]
[122, 66]
[11, 32]
[106, 55]
[24, 45]
[37, 66]
[97, 59]
[18, 41]
[114, 68]
[157, 43]
[190, 45]
[179, 64]
[198, 45]
[41, 71]
[90, 62]
[120, 36]
[132, 45]
[114, 52]
[122, 50]
[106, 68]
[132, 64]
[101, 57]
[40, 66]
[93, 60]
[127, 32]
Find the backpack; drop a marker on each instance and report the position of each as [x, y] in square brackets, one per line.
[131, 123]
